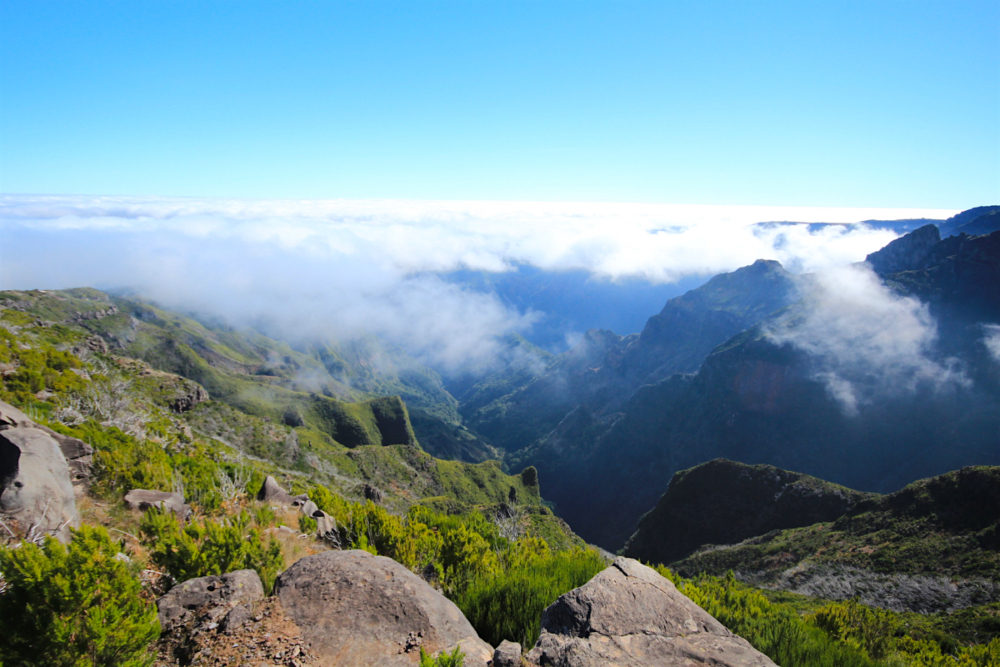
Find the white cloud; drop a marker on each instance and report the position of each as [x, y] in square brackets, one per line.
[346, 267]
[991, 339]
[865, 340]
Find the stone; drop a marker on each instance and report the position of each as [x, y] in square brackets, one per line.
[271, 492]
[308, 508]
[189, 394]
[326, 529]
[358, 609]
[207, 600]
[508, 654]
[11, 416]
[143, 499]
[629, 615]
[372, 493]
[236, 618]
[35, 487]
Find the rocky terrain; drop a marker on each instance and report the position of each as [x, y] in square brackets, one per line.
[351, 608]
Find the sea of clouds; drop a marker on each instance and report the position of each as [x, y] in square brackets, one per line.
[341, 268]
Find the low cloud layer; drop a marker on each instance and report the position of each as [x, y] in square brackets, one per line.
[343, 268]
[865, 340]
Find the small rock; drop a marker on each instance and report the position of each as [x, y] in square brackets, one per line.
[508, 654]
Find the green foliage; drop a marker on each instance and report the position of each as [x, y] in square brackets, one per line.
[506, 602]
[36, 368]
[208, 547]
[835, 633]
[854, 624]
[74, 605]
[454, 659]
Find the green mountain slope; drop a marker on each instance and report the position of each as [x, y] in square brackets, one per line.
[178, 384]
[271, 378]
[933, 545]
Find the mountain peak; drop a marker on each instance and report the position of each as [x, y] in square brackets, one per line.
[906, 253]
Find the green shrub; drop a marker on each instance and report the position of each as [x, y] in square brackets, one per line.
[507, 602]
[774, 629]
[202, 548]
[74, 605]
[454, 659]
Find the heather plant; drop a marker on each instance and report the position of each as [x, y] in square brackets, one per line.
[208, 547]
[74, 605]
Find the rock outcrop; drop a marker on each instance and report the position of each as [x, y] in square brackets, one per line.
[271, 492]
[143, 499]
[188, 395]
[226, 620]
[208, 600]
[629, 615]
[36, 492]
[358, 609]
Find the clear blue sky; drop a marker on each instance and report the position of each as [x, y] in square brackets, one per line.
[871, 103]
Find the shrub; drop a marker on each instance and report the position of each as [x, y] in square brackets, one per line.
[202, 548]
[507, 603]
[454, 659]
[74, 605]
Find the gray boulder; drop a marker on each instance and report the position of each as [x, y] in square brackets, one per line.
[207, 600]
[629, 615]
[271, 492]
[508, 654]
[358, 609]
[144, 499]
[36, 493]
[78, 454]
[11, 416]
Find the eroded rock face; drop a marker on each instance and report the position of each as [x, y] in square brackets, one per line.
[36, 493]
[631, 616]
[358, 609]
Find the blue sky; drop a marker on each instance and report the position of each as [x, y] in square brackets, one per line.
[868, 104]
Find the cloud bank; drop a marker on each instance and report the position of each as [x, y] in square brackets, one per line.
[865, 340]
[346, 268]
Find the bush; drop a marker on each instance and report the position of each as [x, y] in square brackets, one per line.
[454, 659]
[507, 603]
[74, 605]
[202, 548]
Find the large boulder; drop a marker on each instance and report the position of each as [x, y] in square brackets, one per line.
[208, 599]
[629, 615]
[78, 454]
[36, 494]
[358, 609]
[220, 619]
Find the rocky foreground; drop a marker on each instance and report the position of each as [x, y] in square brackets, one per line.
[352, 608]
